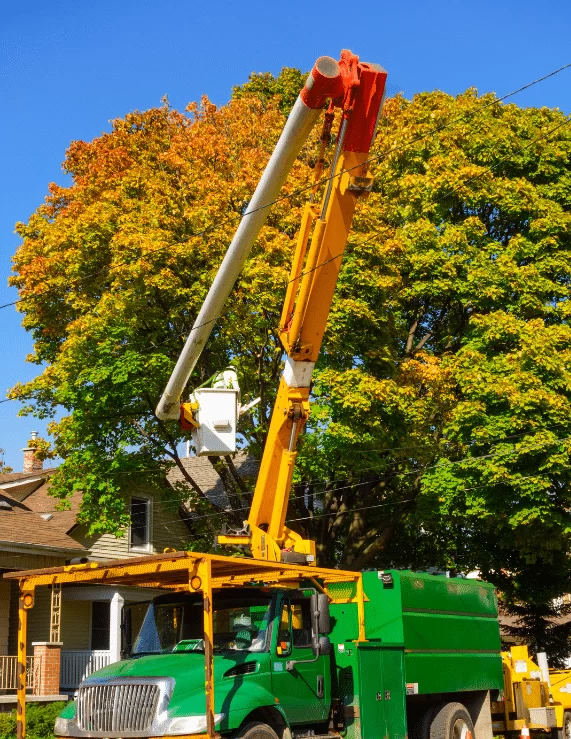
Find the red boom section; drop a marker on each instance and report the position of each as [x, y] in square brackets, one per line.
[340, 82]
[364, 108]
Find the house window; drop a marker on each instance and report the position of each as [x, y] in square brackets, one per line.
[100, 629]
[140, 531]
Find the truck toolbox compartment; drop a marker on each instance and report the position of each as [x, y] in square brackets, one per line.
[447, 626]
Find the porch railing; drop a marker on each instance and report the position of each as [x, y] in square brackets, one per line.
[77, 664]
[9, 673]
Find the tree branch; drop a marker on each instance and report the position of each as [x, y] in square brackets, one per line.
[412, 331]
[226, 476]
[235, 474]
[173, 455]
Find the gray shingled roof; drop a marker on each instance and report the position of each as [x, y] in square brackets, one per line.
[206, 477]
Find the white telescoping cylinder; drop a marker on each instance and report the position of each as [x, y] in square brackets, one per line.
[543, 666]
[298, 126]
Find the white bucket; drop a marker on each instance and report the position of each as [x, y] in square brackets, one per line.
[217, 415]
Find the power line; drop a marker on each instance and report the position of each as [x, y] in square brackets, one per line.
[486, 170]
[327, 481]
[349, 510]
[193, 537]
[447, 463]
[329, 514]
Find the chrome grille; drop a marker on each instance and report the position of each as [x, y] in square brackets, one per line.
[117, 707]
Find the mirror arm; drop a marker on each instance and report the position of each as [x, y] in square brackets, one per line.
[291, 663]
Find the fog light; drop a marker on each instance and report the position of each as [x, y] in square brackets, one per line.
[189, 724]
[61, 726]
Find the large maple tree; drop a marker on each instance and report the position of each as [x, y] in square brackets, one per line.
[442, 413]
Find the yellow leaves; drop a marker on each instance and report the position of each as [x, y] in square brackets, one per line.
[424, 368]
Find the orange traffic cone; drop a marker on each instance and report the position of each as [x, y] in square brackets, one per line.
[524, 732]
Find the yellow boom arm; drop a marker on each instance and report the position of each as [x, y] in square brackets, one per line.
[322, 239]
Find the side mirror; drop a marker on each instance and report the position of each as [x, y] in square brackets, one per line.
[321, 646]
[321, 620]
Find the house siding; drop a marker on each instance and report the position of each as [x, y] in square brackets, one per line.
[39, 618]
[103, 547]
[19, 561]
[167, 530]
[13, 619]
[76, 624]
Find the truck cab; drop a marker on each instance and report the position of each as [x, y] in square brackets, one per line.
[269, 658]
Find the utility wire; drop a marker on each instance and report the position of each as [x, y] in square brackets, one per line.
[193, 537]
[447, 194]
[486, 170]
[328, 481]
[446, 463]
[190, 519]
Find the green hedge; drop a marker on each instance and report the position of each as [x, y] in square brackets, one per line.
[40, 719]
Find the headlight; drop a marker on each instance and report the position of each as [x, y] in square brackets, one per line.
[189, 724]
[61, 725]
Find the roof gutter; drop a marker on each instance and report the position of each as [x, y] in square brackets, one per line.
[31, 548]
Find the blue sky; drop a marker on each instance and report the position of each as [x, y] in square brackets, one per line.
[69, 66]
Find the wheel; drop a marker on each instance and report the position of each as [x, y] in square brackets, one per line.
[565, 731]
[452, 721]
[256, 730]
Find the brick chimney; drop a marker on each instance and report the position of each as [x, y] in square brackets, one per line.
[31, 462]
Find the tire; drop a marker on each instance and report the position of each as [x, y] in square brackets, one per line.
[565, 731]
[452, 721]
[256, 730]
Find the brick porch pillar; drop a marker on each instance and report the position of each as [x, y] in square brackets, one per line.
[49, 655]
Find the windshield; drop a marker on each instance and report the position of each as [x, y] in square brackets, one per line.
[240, 624]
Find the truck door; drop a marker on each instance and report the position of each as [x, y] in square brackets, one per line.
[304, 690]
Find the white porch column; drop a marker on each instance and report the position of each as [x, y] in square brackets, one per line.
[117, 602]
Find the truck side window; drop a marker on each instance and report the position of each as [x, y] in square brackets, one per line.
[301, 623]
[283, 646]
[294, 627]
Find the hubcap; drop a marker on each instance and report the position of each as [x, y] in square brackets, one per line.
[461, 730]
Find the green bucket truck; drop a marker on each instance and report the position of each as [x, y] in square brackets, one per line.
[289, 651]
[431, 651]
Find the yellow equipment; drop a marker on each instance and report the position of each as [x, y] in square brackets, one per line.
[527, 700]
[313, 277]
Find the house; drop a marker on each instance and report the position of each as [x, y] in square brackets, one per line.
[80, 628]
